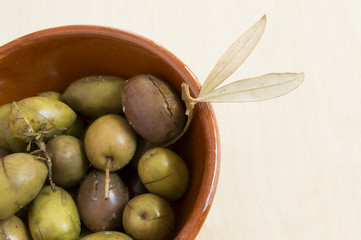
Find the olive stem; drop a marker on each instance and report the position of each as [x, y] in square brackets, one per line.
[41, 145]
[190, 102]
[38, 137]
[107, 179]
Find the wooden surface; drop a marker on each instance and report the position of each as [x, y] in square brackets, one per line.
[291, 167]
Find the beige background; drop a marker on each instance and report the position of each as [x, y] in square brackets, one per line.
[291, 167]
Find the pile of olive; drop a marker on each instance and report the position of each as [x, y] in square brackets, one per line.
[102, 140]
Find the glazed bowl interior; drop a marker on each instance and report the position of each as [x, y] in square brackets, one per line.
[51, 59]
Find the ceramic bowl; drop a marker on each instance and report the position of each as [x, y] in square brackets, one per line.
[53, 58]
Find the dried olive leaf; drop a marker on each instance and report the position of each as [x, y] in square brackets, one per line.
[235, 55]
[264, 87]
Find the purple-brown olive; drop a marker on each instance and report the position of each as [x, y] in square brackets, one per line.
[96, 212]
[3, 153]
[135, 186]
[153, 108]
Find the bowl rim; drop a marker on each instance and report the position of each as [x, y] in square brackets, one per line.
[211, 172]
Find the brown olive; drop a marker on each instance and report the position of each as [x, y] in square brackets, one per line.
[153, 108]
[97, 213]
[3, 153]
[135, 185]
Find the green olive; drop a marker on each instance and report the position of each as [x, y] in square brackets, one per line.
[77, 129]
[51, 94]
[14, 228]
[148, 217]
[53, 216]
[21, 178]
[69, 161]
[163, 172]
[8, 141]
[95, 95]
[40, 112]
[107, 235]
[110, 139]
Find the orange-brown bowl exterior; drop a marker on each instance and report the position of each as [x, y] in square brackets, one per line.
[51, 59]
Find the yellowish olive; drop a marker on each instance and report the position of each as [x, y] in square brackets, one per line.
[14, 228]
[39, 112]
[107, 235]
[8, 141]
[53, 216]
[164, 172]
[21, 178]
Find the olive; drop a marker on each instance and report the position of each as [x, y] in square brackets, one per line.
[53, 216]
[153, 108]
[164, 172]
[143, 145]
[3, 153]
[135, 185]
[8, 140]
[110, 139]
[107, 235]
[77, 129]
[97, 213]
[148, 217]
[109, 144]
[51, 94]
[95, 95]
[14, 229]
[69, 160]
[21, 178]
[39, 112]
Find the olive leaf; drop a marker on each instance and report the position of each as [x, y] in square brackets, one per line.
[235, 55]
[260, 88]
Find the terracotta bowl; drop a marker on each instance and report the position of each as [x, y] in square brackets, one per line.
[51, 59]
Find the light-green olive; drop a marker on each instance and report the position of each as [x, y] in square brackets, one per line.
[148, 217]
[69, 161]
[56, 116]
[95, 95]
[51, 94]
[164, 172]
[21, 178]
[14, 228]
[53, 216]
[77, 129]
[107, 235]
[8, 141]
[110, 138]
